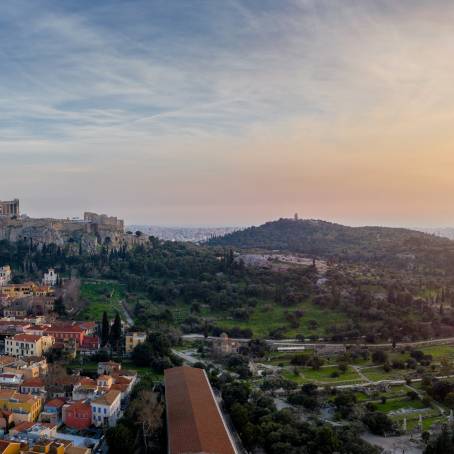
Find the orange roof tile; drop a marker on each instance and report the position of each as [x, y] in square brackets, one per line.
[26, 338]
[108, 398]
[195, 423]
[33, 382]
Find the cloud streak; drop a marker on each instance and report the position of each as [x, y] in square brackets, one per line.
[196, 106]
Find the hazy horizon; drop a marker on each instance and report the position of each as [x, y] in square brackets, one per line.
[230, 113]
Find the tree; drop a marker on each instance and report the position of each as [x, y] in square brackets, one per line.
[237, 392]
[59, 307]
[378, 423]
[120, 439]
[142, 355]
[115, 332]
[147, 412]
[379, 357]
[105, 329]
[441, 444]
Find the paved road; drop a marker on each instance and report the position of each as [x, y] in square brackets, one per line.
[296, 343]
[394, 445]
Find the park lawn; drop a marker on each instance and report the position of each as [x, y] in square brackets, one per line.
[429, 418]
[100, 297]
[439, 351]
[379, 374]
[284, 358]
[142, 371]
[362, 397]
[268, 316]
[397, 404]
[323, 375]
[398, 356]
[85, 364]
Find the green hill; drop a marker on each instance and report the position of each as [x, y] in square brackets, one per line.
[327, 239]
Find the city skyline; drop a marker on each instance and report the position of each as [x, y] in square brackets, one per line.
[229, 113]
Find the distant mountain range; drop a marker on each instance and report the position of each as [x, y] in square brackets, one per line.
[326, 239]
[193, 234]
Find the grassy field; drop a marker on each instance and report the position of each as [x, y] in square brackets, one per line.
[100, 297]
[269, 316]
[284, 358]
[427, 423]
[378, 373]
[397, 404]
[321, 376]
[439, 351]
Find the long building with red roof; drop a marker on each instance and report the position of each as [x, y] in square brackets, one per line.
[194, 421]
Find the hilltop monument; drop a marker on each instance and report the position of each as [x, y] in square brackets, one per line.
[10, 208]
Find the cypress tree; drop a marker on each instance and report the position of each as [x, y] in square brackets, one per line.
[115, 332]
[104, 329]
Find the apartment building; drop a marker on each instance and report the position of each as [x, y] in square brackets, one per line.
[28, 345]
[65, 333]
[106, 409]
[23, 407]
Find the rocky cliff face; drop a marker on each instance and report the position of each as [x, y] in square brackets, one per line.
[61, 232]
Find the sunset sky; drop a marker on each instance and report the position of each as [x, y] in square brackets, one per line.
[229, 112]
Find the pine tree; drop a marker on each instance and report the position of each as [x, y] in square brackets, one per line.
[104, 329]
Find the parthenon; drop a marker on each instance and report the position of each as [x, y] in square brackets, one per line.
[10, 208]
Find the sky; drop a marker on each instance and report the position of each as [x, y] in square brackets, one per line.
[229, 112]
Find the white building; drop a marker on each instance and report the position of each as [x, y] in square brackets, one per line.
[10, 380]
[50, 278]
[106, 409]
[5, 275]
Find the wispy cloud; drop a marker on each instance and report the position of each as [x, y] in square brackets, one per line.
[177, 100]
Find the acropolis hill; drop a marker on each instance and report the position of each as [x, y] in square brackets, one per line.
[90, 232]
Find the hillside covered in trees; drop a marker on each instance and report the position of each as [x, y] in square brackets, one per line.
[209, 290]
[395, 246]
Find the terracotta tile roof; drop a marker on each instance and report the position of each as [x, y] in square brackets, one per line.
[125, 373]
[56, 403]
[108, 398]
[21, 427]
[120, 380]
[4, 360]
[86, 380]
[65, 329]
[26, 338]
[6, 394]
[88, 383]
[79, 404]
[26, 426]
[36, 382]
[119, 387]
[194, 422]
